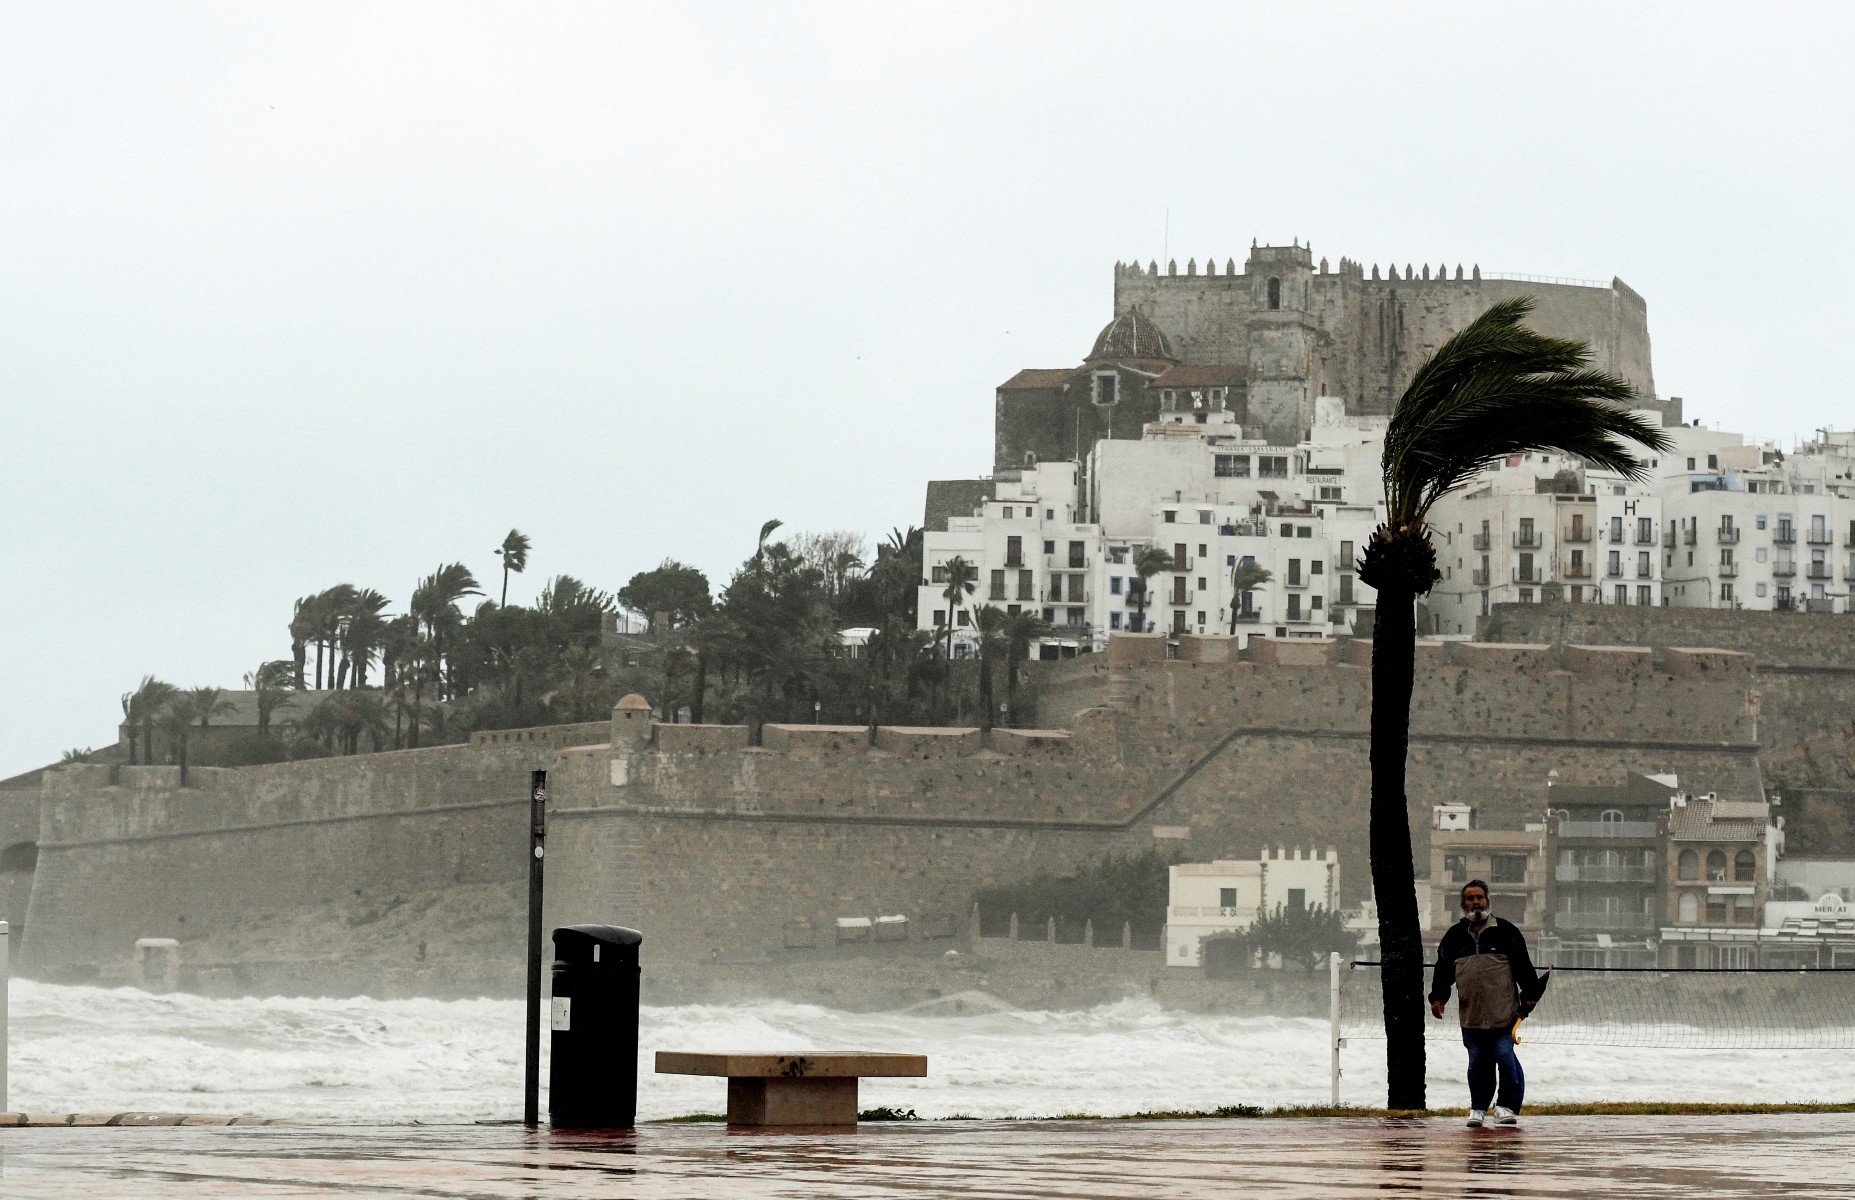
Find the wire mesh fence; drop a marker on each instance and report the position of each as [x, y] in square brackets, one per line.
[1676, 1008]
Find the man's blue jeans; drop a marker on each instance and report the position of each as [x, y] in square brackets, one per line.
[1490, 1049]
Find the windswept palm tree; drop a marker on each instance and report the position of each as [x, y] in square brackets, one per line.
[141, 708]
[362, 632]
[990, 625]
[1148, 563]
[206, 703]
[302, 629]
[766, 531]
[271, 685]
[1495, 389]
[960, 578]
[514, 555]
[434, 603]
[1245, 578]
[1021, 629]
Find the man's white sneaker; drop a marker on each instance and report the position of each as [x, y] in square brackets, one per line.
[1475, 1116]
[1505, 1116]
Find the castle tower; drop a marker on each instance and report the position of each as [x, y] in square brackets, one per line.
[1282, 334]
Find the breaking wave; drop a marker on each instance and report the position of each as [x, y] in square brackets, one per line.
[361, 1060]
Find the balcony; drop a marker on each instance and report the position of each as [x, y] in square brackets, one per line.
[1690, 536]
[1600, 873]
[1210, 910]
[1609, 829]
[1577, 533]
[1249, 618]
[1527, 539]
[1529, 575]
[1480, 541]
[1296, 581]
[1727, 535]
[1643, 572]
[1848, 573]
[1014, 560]
[1578, 571]
[1818, 570]
[1668, 539]
[1784, 570]
[1613, 572]
[1479, 578]
[1784, 535]
[1602, 922]
[1728, 570]
[1821, 537]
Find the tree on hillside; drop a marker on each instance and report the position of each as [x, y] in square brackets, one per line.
[838, 556]
[363, 629]
[672, 590]
[1245, 577]
[514, 555]
[1147, 563]
[1494, 389]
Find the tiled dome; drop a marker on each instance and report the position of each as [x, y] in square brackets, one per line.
[1132, 335]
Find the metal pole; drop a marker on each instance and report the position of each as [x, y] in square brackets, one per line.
[537, 837]
[1333, 1019]
[6, 983]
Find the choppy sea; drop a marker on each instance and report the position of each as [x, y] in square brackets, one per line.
[361, 1060]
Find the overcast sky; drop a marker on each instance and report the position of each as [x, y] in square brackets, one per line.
[298, 295]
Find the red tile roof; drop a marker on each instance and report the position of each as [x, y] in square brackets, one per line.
[1037, 377]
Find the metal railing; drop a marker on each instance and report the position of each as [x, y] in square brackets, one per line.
[1576, 534]
[1527, 541]
[1690, 536]
[1819, 571]
[1609, 829]
[1480, 541]
[1479, 578]
[1602, 873]
[1668, 539]
[1602, 921]
[1784, 535]
[1727, 535]
[1728, 570]
[1821, 537]
[1784, 570]
[1578, 571]
[1529, 575]
[1210, 910]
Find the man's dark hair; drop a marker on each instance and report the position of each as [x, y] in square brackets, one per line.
[1475, 883]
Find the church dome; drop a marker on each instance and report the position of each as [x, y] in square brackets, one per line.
[1132, 335]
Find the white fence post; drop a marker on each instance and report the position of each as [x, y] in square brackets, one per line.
[1333, 1020]
[6, 983]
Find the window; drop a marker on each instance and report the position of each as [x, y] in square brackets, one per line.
[1716, 867]
[1687, 909]
[1027, 588]
[1204, 516]
[1077, 553]
[1201, 620]
[1232, 466]
[1610, 816]
[1107, 388]
[1178, 556]
[1170, 516]
[1615, 567]
[1507, 868]
[1114, 585]
[1275, 294]
[966, 617]
[1622, 593]
[940, 617]
[1294, 572]
[1114, 620]
[1014, 551]
[1226, 897]
[1643, 567]
[1202, 551]
[1006, 512]
[1456, 866]
[1742, 910]
[1645, 595]
[1329, 493]
[1346, 556]
[998, 586]
[1688, 865]
[1272, 466]
[939, 573]
[1075, 616]
[1745, 867]
[1297, 898]
[1726, 593]
[1049, 547]
[1316, 566]
[1294, 606]
[1645, 530]
[1616, 529]
[1716, 910]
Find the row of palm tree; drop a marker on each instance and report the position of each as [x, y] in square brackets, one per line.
[156, 706]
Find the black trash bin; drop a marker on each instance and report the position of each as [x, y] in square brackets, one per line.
[593, 1071]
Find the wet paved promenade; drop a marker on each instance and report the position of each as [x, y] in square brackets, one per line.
[1686, 1157]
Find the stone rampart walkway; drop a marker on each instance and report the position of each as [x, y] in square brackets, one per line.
[1643, 1157]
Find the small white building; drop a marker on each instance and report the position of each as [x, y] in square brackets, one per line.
[1229, 895]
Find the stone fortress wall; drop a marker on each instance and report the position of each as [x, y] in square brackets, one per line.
[1365, 335]
[714, 847]
[1805, 681]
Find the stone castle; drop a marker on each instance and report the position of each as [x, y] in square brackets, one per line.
[1269, 339]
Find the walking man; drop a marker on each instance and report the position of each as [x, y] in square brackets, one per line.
[1485, 959]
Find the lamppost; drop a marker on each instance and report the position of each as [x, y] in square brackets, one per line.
[817, 708]
[1004, 714]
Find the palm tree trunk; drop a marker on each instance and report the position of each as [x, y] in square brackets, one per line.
[985, 685]
[504, 602]
[1394, 649]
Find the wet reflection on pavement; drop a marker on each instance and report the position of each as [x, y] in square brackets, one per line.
[1683, 1157]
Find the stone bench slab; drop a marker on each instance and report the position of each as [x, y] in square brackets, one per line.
[807, 1064]
[812, 1089]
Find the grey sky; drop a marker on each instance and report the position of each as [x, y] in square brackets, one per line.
[291, 296]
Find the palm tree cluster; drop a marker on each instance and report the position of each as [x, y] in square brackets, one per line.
[158, 707]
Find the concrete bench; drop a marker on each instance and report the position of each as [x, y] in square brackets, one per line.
[811, 1088]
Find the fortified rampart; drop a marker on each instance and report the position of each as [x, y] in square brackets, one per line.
[1805, 682]
[716, 847]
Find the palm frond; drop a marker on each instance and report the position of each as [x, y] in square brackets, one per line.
[1498, 388]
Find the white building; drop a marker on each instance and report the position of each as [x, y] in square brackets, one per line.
[1230, 895]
